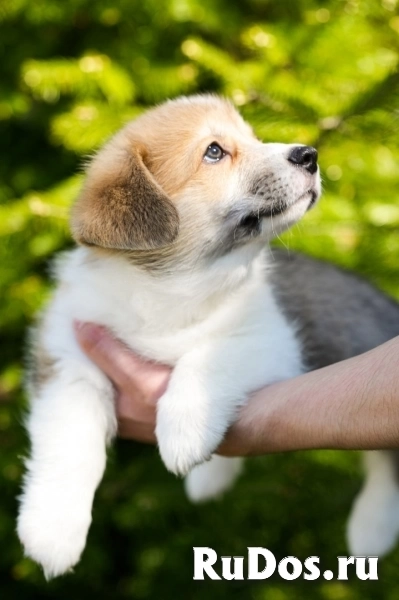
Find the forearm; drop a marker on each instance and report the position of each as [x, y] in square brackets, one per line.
[353, 404]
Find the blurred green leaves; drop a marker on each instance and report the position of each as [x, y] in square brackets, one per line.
[92, 76]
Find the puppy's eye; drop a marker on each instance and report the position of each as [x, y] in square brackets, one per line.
[214, 153]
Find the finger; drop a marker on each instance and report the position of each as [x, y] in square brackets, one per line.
[140, 412]
[107, 352]
[121, 364]
[138, 432]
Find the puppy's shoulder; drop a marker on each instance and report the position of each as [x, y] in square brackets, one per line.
[88, 288]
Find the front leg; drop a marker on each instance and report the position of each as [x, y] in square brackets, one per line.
[192, 417]
[71, 418]
[206, 389]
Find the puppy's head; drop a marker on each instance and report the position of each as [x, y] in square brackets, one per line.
[190, 180]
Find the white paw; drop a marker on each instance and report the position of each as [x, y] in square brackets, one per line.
[182, 449]
[184, 437]
[373, 525]
[53, 531]
[212, 478]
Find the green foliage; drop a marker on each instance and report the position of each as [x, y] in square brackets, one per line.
[318, 72]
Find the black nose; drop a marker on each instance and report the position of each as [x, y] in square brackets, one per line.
[304, 156]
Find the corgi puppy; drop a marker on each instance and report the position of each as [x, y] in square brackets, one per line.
[173, 225]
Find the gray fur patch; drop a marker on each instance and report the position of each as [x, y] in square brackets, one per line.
[337, 314]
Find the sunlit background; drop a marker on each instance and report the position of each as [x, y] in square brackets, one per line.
[323, 73]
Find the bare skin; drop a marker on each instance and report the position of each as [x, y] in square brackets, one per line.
[350, 405]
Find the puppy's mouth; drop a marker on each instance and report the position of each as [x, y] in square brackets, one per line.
[252, 221]
[242, 227]
[313, 198]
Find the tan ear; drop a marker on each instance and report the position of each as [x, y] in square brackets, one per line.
[123, 207]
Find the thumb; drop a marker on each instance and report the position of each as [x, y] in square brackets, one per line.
[106, 352]
[125, 368]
